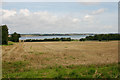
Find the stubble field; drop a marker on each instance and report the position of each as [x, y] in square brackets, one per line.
[25, 56]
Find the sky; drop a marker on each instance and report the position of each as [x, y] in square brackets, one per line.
[60, 0]
[60, 17]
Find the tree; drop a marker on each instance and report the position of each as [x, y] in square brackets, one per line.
[15, 37]
[105, 37]
[4, 34]
[82, 39]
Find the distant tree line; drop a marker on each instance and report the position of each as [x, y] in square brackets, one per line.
[97, 37]
[101, 37]
[53, 39]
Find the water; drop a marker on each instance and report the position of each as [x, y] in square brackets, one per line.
[50, 37]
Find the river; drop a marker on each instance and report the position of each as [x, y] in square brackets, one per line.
[50, 37]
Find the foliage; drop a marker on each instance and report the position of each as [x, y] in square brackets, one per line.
[101, 37]
[53, 39]
[4, 30]
[15, 37]
[82, 39]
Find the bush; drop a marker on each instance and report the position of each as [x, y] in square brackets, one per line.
[15, 37]
[82, 39]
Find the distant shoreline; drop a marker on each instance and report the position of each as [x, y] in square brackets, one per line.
[72, 34]
[42, 37]
[30, 35]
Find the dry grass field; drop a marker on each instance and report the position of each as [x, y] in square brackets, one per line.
[43, 54]
[40, 54]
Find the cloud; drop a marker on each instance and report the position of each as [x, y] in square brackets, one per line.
[76, 20]
[97, 0]
[107, 27]
[89, 3]
[88, 18]
[99, 11]
[25, 12]
[25, 21]
[8, 13]
[40, 21]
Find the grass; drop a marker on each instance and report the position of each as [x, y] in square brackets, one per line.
[14, 67]
[9, 43]
[72, 57]
[19, 70]
[46, 60]
[36, 53]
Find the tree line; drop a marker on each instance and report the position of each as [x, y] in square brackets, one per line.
[102, 37]
[53, 39]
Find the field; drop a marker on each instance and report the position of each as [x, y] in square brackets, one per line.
[90, 59]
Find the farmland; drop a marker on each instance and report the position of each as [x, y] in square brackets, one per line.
[60, 59]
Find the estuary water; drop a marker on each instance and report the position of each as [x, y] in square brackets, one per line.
[50, 37]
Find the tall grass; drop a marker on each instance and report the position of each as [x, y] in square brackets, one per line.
[20, 70]
[9, 43]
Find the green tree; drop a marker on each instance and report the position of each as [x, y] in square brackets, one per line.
[15, 37]
[82, 39]
[4, 34]
[105, 37]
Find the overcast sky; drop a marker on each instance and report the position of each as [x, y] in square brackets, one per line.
[60, 0]
[60, 17]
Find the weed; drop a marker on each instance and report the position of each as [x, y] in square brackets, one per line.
[37, 53]
[72, 57]
[30, 47]
[30, 52]
[65, 58]
[16, 69]
[47, 59]
[10, 43]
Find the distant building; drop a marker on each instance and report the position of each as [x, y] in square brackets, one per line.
[9, 35]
